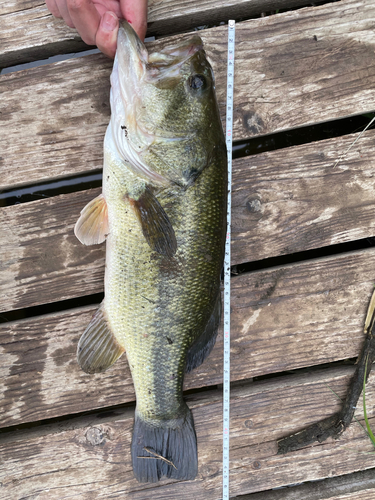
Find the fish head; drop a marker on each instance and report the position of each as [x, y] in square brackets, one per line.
[165, 119]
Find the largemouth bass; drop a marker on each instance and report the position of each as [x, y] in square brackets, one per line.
[162, 213]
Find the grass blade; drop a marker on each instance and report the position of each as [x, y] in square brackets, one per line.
[369, 431]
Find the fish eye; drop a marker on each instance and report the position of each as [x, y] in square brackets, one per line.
[197, 82]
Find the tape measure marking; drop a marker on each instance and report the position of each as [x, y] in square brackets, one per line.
[226, 374]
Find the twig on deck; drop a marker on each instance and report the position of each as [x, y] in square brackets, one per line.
[352, 144]
[335, 425]
[157, 456]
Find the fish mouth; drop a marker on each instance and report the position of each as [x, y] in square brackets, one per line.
[131, 53]
[162, 69]
[134, 58]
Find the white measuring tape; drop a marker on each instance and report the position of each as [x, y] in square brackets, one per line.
[226, 377]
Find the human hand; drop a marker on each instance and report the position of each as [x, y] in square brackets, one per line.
[97, 21]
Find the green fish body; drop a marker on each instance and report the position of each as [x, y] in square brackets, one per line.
[163, 215]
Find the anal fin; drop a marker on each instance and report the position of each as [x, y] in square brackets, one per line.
[155, 223]
[92, 226]
[202, 347]
[98, 348]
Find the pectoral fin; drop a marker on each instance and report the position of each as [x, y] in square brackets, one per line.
[92, 226]
[98, 348]
[156, 226]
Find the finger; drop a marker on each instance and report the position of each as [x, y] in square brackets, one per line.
[63, 9]
[106, 36]
[136, 15]
[52, 7]
[103, 6]
[86, 19]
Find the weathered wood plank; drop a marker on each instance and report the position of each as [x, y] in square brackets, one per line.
[29, 32]
[89, 457]
[292, 200]
[356, 486]
[63, 119]
[283, 202]
[42, 261]
[359, 495]
[282, 319]
[293, 69]
[273, 495]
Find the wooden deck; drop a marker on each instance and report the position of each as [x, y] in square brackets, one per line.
[298, 305]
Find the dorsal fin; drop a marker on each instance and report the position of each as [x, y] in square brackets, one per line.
[98, 348]
[92, 226]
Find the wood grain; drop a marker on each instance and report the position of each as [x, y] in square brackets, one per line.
[283, 202]
[42, 261]
[272, 495]
[89, 457]
[29, 32]
[54, 124]
[356, 486]
[292, 200]
[312, 65]
[284, 78]
[282, 319]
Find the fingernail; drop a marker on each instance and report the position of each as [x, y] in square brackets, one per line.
[109, 21]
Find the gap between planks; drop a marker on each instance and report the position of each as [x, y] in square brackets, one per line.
[355, 486]
[29, 32]
[283, 318]
[298, 68]
[172, 497]
[282, 203]
[91, 455]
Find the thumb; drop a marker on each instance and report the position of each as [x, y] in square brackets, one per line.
[106, 36]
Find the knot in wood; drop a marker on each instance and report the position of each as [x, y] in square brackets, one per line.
[208, 471]
[253, 123]
[94, 436]
[253, 205]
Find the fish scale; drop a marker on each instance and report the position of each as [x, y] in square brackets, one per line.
[157, 294]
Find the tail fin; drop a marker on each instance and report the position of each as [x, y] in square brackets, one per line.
[164, 448]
